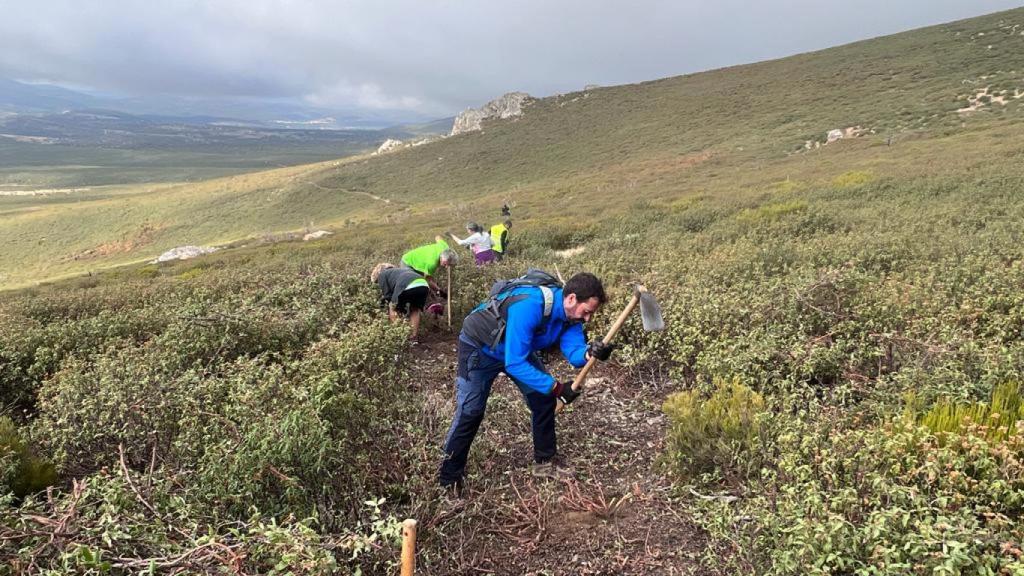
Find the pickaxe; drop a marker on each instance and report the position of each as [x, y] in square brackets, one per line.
[650, 313]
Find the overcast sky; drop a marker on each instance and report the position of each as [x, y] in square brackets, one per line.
[432, 57]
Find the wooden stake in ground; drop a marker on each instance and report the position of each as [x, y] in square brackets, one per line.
[449, 295]
[409, 547]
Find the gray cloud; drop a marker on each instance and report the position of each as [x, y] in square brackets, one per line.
[430, 57]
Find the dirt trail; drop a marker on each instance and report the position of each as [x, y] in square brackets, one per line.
[356, 192]
[617, 516]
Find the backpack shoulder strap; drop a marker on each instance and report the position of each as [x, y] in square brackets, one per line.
[549, 300]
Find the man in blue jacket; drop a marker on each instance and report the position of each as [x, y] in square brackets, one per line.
[536, 318]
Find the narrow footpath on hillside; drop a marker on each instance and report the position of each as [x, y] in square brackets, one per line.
[617, 516]
[319, 186]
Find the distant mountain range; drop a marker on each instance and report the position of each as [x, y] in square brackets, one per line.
[24, 98]
[33, 115]
[111, 129]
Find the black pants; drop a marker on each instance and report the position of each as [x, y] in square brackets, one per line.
[476, 374]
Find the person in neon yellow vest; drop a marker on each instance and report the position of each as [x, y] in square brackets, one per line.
[499, 238]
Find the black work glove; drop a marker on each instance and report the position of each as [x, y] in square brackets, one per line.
[598, 349]
[564, 392]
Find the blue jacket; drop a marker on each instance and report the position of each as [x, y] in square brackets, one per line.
[524, 335]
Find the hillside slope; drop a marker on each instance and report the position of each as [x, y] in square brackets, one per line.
[837, 389]
[733, 131]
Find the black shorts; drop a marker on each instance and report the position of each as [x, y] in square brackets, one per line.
[412, 299]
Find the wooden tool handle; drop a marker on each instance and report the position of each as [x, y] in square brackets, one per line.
[449, 307]
[408, 547]
[577, 383]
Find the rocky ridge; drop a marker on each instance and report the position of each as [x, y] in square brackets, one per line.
[507, 106]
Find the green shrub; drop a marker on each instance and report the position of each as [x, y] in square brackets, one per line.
[192, 273]
[771, 211]
[722, 433]
[31, 351]
[116, 531]
[287, 434]
[148, 271]
[879, 500]
[21, 472]
[130, 396]
[997, 418]
[852, 179]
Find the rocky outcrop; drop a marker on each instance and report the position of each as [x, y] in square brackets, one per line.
[316, 235]
[183, 253]
[837, 134]
[842, 133]
[508, 106]
[389, 145]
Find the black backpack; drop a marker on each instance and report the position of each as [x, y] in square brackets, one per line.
[486, 324]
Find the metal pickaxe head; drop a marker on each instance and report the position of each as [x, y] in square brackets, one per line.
[650, 312]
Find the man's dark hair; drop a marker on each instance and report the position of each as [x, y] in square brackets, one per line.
[585, 286]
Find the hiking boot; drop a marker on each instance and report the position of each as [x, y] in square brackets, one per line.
[551, 470]
[453, 492]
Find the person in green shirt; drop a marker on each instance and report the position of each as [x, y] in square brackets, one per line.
[427, 259]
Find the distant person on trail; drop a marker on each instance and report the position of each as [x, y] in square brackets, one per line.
[427, 259]
[403, 291]
[506, 212]
[505, 334]
[499, 239]
[478, 241]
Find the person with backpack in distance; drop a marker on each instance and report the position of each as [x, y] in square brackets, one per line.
[403, 291]
[427, 259]
[478, 241]
[499, 239]
[520, 318]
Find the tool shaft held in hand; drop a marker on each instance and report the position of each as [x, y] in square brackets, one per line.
[581, 377]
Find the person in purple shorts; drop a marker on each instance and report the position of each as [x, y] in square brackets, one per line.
[479, 241]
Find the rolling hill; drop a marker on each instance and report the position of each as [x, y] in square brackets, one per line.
[836, 240]
[735, 131]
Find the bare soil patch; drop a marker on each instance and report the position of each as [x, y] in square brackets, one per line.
[618, 515]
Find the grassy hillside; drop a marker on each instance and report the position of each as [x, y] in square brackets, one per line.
[837, 390]
[733, 131]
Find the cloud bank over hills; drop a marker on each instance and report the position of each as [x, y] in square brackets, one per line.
[407, 59]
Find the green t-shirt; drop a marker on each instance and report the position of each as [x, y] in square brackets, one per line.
[425, 259]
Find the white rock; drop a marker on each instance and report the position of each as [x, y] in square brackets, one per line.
[183, 253]
[389, 145]
[508, 106]
[316, 235]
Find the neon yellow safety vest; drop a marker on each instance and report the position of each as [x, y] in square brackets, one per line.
[496, 231]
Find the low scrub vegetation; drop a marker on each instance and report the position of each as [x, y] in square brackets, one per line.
[889, 498]
[839, 371]
[225, 425]
[844, 347]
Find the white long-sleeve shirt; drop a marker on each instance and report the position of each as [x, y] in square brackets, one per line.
[478, 242]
